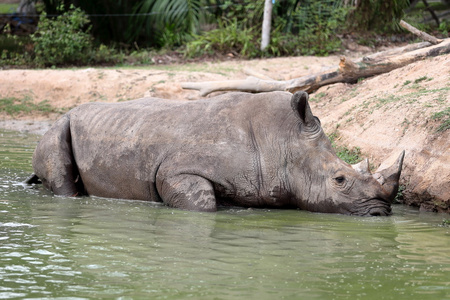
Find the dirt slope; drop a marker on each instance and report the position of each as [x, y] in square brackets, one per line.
[382, 115]
[386, 114]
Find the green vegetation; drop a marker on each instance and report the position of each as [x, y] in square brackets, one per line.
[422, 79]
[317, 97]
[132, 32]
[127, 29]
[416, 16]
[444, 117]
[439, 99]
[378, 15]
[14, 106]
[399, 197]
[61, 40]
[228, 38]
[6, 8]
[351, 156]
[308, 30]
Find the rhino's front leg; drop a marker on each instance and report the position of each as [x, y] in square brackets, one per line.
[185, 191]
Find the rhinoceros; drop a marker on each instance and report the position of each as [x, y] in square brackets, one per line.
[238, 149]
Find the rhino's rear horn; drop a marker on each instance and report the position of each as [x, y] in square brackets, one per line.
[300, 105]
[362, 167]
[389, 177]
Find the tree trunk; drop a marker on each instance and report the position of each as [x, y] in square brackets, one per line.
[265, 40]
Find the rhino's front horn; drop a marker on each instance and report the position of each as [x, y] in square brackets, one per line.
[362, 167]
[389, 177]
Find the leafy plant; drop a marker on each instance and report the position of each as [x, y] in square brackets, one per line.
[169, 22]
[399, 197]
[248, 12]
[228, 38]
[13, 48]
[62, 40]
[378, 15]
[444, 28]
[316, 23]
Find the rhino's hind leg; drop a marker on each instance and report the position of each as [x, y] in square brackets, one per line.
[189, 192]
[53, 160]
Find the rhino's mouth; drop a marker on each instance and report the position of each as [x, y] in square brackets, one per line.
[372, 207]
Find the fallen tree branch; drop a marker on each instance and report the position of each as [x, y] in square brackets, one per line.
[251, 84]
[347, 71]
[396, 51]
[423, 35]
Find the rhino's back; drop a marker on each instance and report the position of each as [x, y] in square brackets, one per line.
[160, 121]
[120, 147]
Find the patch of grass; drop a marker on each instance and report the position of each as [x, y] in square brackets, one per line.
[445, 223]
[420, 79]
[367, 41]
[317, 97]
[399, 197]
[348, 112]
[376, 102]
[14, 106]
[405, 125]
[388, 99]
[406, 82]
[351, 156]
[6, 8]
[444, 117]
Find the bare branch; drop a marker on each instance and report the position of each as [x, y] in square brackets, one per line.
[423, 35]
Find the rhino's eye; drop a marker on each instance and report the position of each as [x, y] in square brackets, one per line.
[340, 179]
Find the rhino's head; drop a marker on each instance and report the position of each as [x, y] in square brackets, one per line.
[322, 182]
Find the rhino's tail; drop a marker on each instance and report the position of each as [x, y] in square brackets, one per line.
[33, 179]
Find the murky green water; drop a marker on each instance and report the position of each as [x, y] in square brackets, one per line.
[56, 247]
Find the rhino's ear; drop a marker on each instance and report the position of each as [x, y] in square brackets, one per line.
[300, 105]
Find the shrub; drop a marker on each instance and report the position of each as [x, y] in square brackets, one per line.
[62, 40]
[310, 29]
[228, 38]
[14, 48]
[378, 15]
[317, 24]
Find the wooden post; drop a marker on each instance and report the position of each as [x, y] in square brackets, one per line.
[266, 24]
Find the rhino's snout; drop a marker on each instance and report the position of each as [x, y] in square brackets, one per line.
[373, 207]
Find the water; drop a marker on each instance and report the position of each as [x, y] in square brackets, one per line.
[94, 248]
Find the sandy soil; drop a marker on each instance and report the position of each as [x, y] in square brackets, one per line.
[382, 115]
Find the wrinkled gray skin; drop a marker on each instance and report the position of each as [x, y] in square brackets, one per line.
[249, 150]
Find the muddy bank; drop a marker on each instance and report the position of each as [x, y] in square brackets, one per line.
[382, 115]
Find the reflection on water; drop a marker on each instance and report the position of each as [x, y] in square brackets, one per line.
[101, 248]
